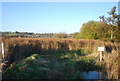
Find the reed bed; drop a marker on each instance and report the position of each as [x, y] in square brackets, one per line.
[16, 48]
[19, 48]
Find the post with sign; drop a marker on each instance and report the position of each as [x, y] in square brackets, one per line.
[101, 49]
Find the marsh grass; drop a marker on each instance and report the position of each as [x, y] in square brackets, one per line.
[51, 58]
[19, 48]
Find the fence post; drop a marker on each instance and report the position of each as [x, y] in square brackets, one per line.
[2, 45]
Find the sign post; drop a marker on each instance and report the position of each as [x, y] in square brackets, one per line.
[101, 49]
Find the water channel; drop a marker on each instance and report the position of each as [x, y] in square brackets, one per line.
[94, 75]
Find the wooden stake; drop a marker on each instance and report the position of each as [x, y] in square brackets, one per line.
[100, 55]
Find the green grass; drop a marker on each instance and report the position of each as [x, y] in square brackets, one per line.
[57, 65]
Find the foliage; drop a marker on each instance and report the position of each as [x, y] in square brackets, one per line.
[75, 34]
[94, 30]
[88, 30]
[60, 35]
[112, 20]
[106, 29]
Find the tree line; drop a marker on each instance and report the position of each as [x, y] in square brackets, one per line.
[108, 28]
[34, 35]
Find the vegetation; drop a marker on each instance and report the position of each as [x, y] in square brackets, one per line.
[51, 58]
[58, 56]
[60, 35]
[43, 67]
[107, 29]
[16, 48]
[34, 35]
[69, 65]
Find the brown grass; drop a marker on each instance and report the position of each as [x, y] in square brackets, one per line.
[18, 48]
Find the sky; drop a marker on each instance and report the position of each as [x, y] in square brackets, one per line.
[51, 17]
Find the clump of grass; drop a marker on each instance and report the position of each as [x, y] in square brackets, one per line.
[84, 51]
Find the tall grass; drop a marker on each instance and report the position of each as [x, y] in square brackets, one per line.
[17, 49]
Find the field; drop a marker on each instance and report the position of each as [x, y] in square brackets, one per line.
[57, 58]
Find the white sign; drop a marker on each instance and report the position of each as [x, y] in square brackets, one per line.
[100, 48]
[2, 48]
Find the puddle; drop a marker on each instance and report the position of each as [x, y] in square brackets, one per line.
[94, 75]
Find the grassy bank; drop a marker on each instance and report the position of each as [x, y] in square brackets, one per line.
[65, 66]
